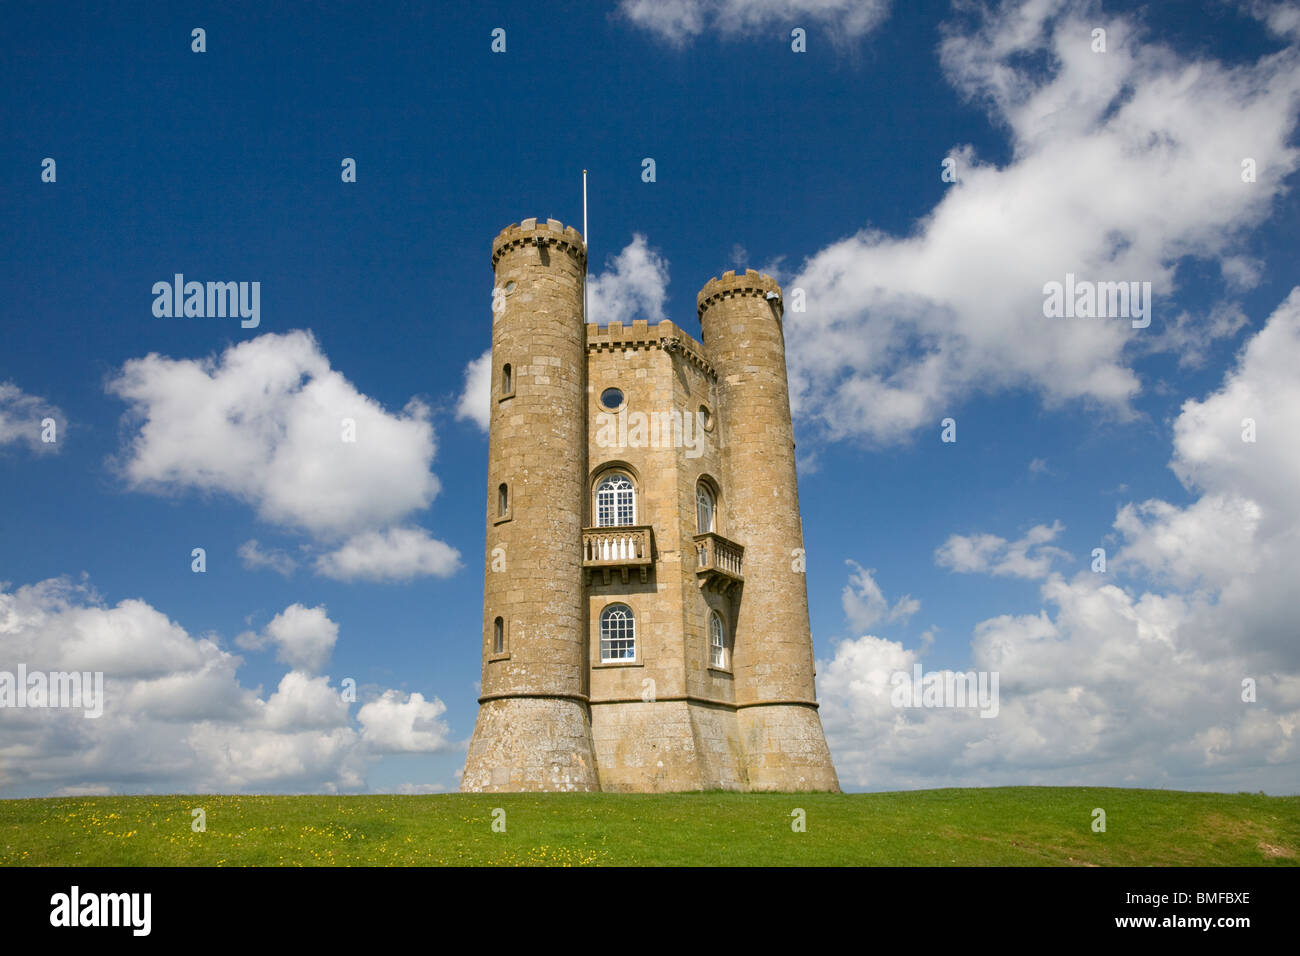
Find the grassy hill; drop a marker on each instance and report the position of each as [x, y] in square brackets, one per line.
[1015, 826]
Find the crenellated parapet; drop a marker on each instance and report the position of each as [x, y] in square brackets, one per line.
[533, 232]
[640, 334]
[730, 286]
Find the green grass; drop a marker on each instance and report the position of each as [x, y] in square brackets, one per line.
[1008, 826]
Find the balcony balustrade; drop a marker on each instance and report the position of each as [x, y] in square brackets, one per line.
[719, 562]
[621, 549]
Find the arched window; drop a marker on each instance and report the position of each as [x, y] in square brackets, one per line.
[507, 386]
[717, 640]
[498, 636]
[503, 500]
[704, 508]
[617, 634]
[615, 501]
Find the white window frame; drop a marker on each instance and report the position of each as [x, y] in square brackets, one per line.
[703, 494]
[615, 498]
[623, 640]
[717, 641]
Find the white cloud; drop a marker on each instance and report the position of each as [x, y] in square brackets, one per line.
[1209, 450]
[1281, 16]
[679, 21]
[393, 725]
[236, 758]
[990, 554]
[21, 416]
[133, 639]
[304, 702]
[175, 716]
[633, 286]
[278, 560]
[1112, 685]
[1190, 336]
[417, 788]
[865, 604]
[1211, 540]
[89, 790]
[264, 423]
[1123, 164]
[397, 554]
[475, 403]
[304, 637]
[1239, 542]
[1102, 692]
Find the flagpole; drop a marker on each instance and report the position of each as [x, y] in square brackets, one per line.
[587, 245]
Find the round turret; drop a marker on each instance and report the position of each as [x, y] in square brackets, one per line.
[740, 320]
[533, 729]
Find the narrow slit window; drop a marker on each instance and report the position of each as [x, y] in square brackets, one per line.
[503, 500]
[498, 636]
[507, 383]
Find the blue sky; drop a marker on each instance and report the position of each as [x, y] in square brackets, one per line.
[822, 168]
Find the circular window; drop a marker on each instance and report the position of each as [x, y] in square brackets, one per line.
[706, 418]
[510, 286]
[612, 398]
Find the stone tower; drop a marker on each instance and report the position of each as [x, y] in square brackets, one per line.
[534, 727]
[645, 621]
[785, 749]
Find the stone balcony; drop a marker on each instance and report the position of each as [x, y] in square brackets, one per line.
[622, 549]
[718, 562]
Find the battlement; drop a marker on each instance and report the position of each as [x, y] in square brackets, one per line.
[730, 285]
[641, 334]
[549, 232]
